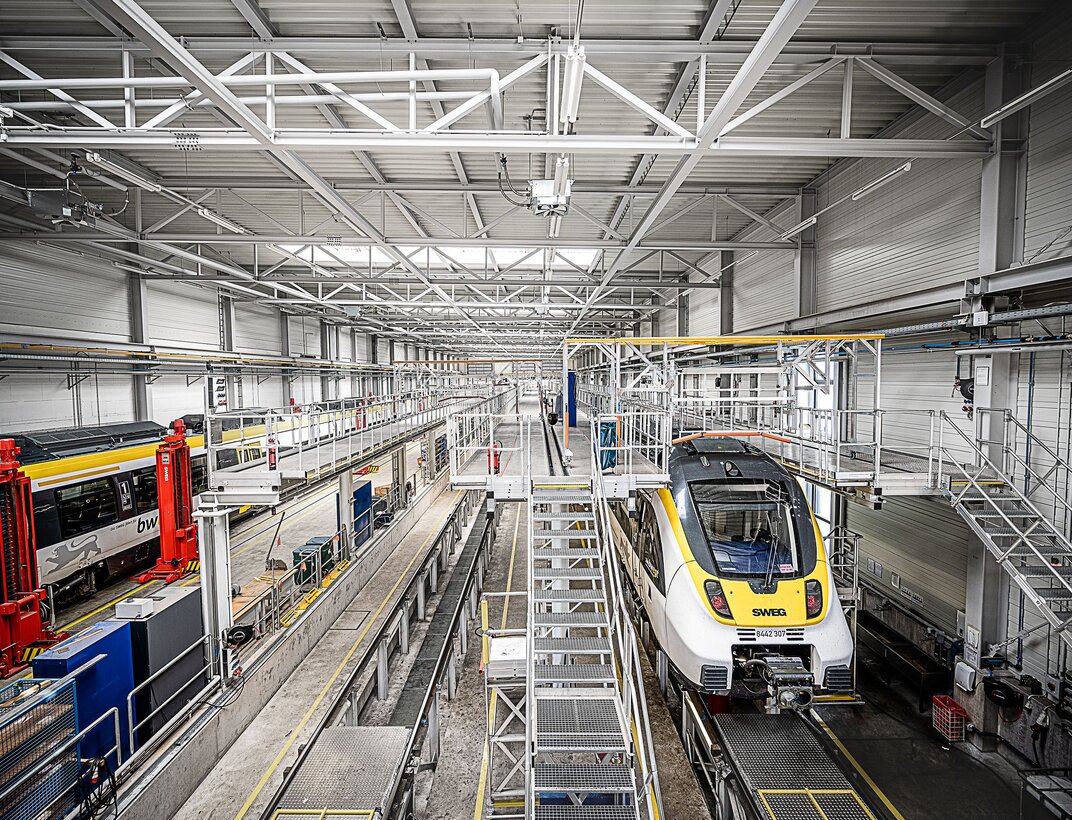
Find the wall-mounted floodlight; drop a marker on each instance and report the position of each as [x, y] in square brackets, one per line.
[123, 173]
[571, 87]
[882, 180]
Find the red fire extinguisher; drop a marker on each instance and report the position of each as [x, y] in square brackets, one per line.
[273, 454]
[494, 456]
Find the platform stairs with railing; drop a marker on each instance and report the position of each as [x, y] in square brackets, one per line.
[588, 737]
[1012, 503]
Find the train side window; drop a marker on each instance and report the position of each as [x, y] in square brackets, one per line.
[199, 473]
[86, 506]
[144, 489]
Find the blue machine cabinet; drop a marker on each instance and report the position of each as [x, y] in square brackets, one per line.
[104, 685]
[362, 512]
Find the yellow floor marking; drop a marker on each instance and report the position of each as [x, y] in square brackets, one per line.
[100, 609]
[478, 809]
[856, 765]
[296, 731]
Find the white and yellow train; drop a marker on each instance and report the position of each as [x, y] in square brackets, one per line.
[731, 572]
[94, 489]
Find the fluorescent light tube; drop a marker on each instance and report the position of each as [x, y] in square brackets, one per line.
[123, 173]
[1026, 99]
[571, 86]
[554, 227]
[882, 180]
[561, 175]
[224, 223]
[803, 226]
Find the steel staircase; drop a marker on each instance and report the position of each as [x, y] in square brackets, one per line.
[580, 727]
[1023, 539]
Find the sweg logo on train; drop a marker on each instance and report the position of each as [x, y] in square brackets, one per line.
[769, 613]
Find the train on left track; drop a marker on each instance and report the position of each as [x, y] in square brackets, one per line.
[94, 492]
[729, 568]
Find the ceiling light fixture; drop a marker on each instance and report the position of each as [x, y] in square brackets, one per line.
[223, 222]
[1026, 99]
[882, 180]
[123, 173]
[571, 86]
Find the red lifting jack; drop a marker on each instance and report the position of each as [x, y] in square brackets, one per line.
[174, 492]
[24, 629]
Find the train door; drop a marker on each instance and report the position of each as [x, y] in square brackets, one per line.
[649, 548]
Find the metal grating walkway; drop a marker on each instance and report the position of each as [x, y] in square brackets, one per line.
[576, 714]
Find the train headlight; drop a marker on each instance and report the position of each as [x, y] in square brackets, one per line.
[813, 596]
[717, 598]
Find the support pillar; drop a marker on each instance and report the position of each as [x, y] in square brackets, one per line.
[804, 257]
[725, 294]
[139, 334]
[213, 533]
[346, 511]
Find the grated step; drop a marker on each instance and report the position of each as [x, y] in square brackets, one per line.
[1039, 571]
[1055, 593]
[565, 723]
[549, 811]
[576, 777]
[568, 595]
[581, 515]
[570, 619]
[566, 553]
[567, 574]
[574, 673]
[1041, 549]
[572, 646]
[581, 535]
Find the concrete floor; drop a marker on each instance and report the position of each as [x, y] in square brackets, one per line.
[923, 777]
[244, 780]
[451, 792]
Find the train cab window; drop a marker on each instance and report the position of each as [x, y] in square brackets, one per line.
[87, 506]
[749, 528]
[144, 489]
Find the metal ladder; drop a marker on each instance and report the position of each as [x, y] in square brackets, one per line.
[580, 742]
[1024, 540]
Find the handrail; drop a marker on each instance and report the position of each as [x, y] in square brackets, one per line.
[624, 636]
[972, 480]
[1010, 451]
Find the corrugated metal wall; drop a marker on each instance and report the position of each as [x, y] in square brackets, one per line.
[256, 329]
[45, 289]
[184, 315]
[763, 289]
[915, 232]
[304, 336]
[1049, 154]
[921, 549]
[705, 305]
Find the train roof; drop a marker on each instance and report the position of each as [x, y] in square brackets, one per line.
[63, 442]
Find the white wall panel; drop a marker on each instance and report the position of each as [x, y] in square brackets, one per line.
[172, 398]
[1049, 153]
[45, 289]
[185, 315]
[764, 290]
[704, 312]
[304, 336]
[918, 231]
[256, 329]
[922, 545]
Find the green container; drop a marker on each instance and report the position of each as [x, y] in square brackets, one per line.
[306, 554]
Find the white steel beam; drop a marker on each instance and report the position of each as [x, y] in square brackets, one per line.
[922, 98]
[774, 38]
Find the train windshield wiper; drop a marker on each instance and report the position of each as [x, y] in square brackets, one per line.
[769, 578]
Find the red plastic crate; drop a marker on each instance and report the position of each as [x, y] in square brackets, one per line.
[948, 717]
